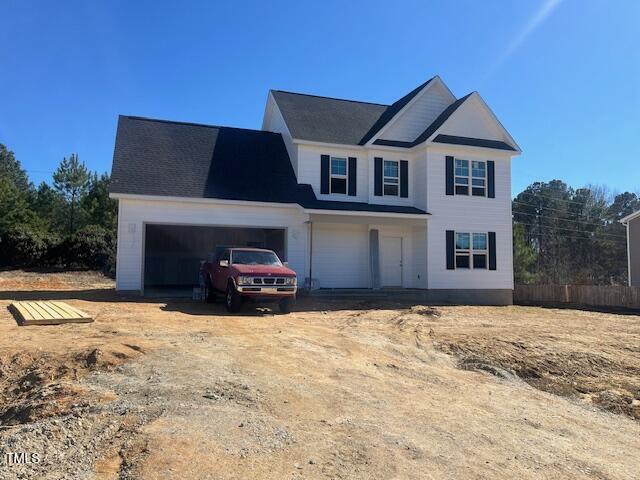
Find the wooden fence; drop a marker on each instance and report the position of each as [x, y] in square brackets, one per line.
[587, 295]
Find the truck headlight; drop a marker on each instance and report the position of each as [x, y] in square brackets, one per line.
[243, 280]
[290, 280]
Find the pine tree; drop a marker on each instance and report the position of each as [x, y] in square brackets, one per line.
[71, 180]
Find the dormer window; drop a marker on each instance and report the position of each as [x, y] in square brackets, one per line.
[338, 180]
[390, 178]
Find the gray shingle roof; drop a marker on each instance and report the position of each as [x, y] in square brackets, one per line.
[324, 119]
[177, 159]
[333, 120]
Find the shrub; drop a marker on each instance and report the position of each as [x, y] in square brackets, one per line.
[24, 245]
[91, 247]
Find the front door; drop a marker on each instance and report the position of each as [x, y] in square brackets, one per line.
[391, 261]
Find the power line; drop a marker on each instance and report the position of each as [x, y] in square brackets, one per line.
[551, 197]
[564, 235]
[559, 218]
[574, 230]
[539, 206]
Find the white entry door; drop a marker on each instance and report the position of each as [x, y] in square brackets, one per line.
[391, 261]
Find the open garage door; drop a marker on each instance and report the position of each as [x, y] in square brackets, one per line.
[173, 252]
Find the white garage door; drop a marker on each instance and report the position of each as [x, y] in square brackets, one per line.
[341, 255]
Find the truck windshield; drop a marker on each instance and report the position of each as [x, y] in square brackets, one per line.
[247, 257]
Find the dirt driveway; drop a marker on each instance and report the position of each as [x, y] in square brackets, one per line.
[338, 389]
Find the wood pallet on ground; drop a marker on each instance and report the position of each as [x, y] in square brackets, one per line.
[48, 313]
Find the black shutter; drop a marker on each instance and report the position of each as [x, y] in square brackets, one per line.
[449, 175]
[451, 255]
[492, 250]
[491, 179]
[324, 173]
[404, 178]
[352, 176]
[377, 176]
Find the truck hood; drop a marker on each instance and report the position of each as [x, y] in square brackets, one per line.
[266, 270]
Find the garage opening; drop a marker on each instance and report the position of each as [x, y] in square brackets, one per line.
[173, 252]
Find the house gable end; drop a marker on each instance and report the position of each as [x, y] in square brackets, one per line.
[473, 120]
[422, 112]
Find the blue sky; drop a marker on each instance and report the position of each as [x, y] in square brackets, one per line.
[562, 76]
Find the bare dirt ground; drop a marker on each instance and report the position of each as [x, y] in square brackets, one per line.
[338, 389]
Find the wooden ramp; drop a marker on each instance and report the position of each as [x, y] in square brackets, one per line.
[48, 313]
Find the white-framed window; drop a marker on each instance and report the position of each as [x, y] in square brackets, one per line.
[391, 178]
[471, 250]
[471, 177]
[338, 175]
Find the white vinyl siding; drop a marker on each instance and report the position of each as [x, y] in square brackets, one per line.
[274, 122]
[419, 115]
[133, 214]
[309, 171]
[466, 213]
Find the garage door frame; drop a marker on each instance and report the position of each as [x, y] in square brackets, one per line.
[186, 224]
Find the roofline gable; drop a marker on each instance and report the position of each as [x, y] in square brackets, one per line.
[475, 95]
[399, 107]
[630, 217]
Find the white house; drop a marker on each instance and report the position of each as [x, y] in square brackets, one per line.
[352, 194]
[632, 222]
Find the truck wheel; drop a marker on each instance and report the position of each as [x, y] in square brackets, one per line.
[233, 301]
[211, 294]
[286, 305]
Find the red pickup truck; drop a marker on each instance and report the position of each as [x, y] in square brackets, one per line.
[249, 274]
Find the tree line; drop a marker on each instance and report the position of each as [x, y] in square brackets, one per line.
[68, 224]
[565, 235]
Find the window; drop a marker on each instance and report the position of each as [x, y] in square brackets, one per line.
[390, 178]
[478, 178]
[480, 250]
[462, 177]
[338, 175]
[471, 250]
[474, 177]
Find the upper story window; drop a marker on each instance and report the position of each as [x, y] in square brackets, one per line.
[470, 175]
[390, 179]
[338, 175]
[471, 250]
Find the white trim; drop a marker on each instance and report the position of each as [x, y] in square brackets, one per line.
[630, 217]
[435, 80]
[214, 201]
[629, 250]
[218, 201]
[356, 213]
[348, 146]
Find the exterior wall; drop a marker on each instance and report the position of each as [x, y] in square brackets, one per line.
[634, 252]
[468, 214]
[418, 114]
[133, 214]
[391, 155]
[309, 170]
[274, 122]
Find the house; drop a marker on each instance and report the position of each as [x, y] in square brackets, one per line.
[352, 194]
[632, 222]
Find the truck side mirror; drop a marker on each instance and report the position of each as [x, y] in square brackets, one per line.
[224, 263]
[286, 264]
